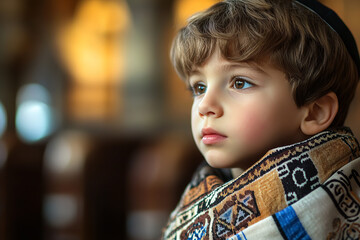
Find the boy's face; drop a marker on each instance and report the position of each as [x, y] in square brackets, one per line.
[240, 111]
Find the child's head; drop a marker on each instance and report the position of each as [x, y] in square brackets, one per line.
[280, 35]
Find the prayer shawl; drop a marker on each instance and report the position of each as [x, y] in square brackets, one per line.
[308, 190]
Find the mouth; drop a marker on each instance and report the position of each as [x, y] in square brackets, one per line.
[209, 136]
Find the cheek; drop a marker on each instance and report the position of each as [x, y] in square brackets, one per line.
[253, 125]
[194, 119]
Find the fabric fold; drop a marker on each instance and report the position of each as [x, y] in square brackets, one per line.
[213, 208]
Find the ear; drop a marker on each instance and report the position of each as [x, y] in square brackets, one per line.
[319, 114]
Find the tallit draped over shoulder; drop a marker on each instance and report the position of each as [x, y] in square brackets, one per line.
[308, 190]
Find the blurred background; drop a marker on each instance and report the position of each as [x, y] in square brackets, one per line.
[95, 138]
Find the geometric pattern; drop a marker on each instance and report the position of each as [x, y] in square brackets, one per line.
[299, 177]
[235, 214]
[316, 216]
[345, 193]
[214, 209]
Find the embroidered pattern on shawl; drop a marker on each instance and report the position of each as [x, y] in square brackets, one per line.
[331, 212]
[212, 209]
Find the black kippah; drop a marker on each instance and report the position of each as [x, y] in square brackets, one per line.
[335, 23]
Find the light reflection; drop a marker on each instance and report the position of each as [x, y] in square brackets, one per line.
[3, 119]
[34, 116]
[33, 91]
[65, 154]
[60, 210]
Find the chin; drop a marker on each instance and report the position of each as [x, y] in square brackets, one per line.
[219, 162]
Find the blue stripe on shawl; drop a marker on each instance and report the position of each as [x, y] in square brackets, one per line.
[239, 236]
[289, 224]
[244, 235]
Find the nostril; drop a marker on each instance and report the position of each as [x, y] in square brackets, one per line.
[210, 105]
[207, 113]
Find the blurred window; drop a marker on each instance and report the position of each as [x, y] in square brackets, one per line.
[92, 47]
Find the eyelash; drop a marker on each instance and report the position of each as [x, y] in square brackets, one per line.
[194, 88]
[243, 79]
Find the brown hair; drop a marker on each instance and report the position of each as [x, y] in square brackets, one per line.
[293, 38]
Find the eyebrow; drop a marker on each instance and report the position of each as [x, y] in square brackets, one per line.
[252, 65]
[231, 65]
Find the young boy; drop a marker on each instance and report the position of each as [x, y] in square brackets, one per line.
[272, 81]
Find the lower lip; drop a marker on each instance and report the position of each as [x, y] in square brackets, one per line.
[212, 139]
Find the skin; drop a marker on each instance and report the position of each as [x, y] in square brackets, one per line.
[240, 111]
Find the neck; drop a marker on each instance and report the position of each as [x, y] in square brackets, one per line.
[236, 172]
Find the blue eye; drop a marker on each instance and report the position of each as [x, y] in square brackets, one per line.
[240, 83]
[198, 89]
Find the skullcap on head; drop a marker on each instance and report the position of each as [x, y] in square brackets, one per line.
[335, 23]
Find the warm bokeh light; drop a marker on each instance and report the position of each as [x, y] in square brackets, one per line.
[183, 9]
[92, 48]
[92, 103]
[92, 44]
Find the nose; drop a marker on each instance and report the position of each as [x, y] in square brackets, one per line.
[210, 105]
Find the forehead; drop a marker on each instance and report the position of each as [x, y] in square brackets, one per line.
[216, 62]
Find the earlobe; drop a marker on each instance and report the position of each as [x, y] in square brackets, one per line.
[319, 114]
